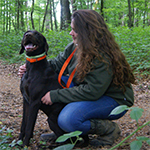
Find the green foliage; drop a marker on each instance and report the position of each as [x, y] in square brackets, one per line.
[14, 143]
[57, 42]
[134, 43]
[67, 136]
[135, 114]
[10, 45]
[65, 147]
[5, 140]
[5, 135]
[138, 143]
[136, 47]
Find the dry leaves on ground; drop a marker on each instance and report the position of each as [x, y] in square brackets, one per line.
[11, 109]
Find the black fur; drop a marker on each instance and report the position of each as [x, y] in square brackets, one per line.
[35, 83]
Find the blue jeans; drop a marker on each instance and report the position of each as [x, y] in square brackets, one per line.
[76, 115]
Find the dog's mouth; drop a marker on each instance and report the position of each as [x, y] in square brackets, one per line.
[30, 47]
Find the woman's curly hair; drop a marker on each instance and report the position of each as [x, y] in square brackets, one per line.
[94, 40]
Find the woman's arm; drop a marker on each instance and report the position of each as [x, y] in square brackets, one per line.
[94, 86]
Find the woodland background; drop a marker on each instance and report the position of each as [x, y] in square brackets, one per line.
[128, 20]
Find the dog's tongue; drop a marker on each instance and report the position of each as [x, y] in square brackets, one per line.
[29, 46]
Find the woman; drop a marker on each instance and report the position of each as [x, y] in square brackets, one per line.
[102, 80]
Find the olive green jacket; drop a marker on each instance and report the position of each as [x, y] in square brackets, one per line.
[96, 83]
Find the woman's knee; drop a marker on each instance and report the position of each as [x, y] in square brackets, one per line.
[67, 119]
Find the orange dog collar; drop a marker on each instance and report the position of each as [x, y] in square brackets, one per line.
[33, 59]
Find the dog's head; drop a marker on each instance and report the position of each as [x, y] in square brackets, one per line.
[34, 43]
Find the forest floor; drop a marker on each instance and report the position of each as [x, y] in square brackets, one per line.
[11, 110]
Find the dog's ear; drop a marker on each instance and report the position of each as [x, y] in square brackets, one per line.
[22, 49]
[46, 47]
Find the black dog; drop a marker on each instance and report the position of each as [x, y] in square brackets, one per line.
[35, 83]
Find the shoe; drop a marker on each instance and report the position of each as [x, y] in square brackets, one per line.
[47, 137]
[106, 130]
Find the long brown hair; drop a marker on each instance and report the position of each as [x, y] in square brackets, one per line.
[94, 40]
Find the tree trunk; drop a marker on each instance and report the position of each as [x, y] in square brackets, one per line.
[65, 14]
[61, 16]
[32, 21]
[130, 15]
[18, 15]
[51, 20]
[22, 17]
[144, 16]
[10, 18]
[6, 16]
[26, 16]
[45, 15]
[4, 19]
[132, 18]
[148, 14]
[102, 6]
[54, 14]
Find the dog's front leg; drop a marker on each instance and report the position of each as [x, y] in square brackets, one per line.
[33, 111]
[24, 119]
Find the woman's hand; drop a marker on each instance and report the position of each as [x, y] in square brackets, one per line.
[22, 70]
[46, 99]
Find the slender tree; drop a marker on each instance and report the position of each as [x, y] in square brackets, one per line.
[130, 24]
[4, 14]
[148, 14]
[32, 21]
[65, 14]
[51, 20]
[45, 15]
[18, 14]
[15, 16]
[22, 16]
[54, 14]
[26, 15]
[144, 15]
[102, 6]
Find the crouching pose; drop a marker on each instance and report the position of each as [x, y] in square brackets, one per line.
[101, 80]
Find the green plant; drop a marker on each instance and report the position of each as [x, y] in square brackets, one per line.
[134, 47]
[10, 45]
[15, 143]
[5, 135]
[64, 137]
[135, 114]
[134, 43]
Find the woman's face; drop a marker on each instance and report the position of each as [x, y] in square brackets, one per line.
[73, 33]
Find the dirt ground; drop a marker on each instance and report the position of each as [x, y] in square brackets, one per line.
[11, 110]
